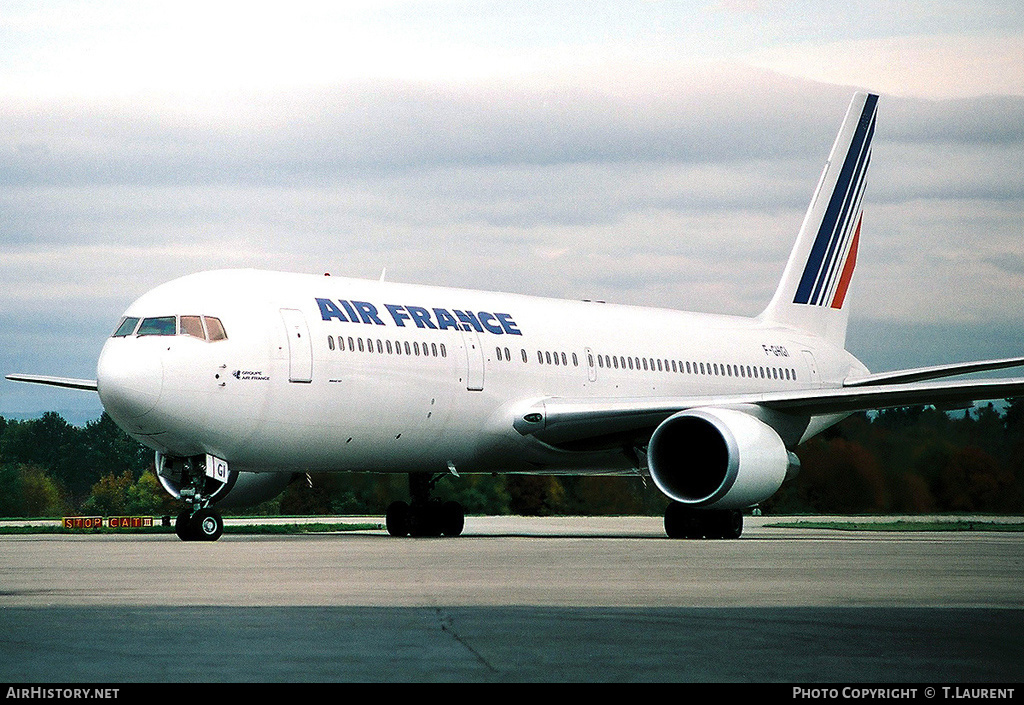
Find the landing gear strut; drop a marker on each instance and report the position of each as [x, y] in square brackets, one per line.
[424, 515]
[683, 522]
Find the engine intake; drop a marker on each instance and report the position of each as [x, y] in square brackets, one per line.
[718, 458]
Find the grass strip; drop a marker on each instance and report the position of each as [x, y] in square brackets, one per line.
[244, 529]
[901, 525]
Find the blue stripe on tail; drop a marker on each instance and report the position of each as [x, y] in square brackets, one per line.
[829, 243]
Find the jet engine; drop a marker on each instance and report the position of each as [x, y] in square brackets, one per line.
[718, 458]
[237, 489]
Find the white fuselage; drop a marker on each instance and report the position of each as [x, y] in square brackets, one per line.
[401, 378]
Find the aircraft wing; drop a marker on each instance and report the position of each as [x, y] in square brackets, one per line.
[561, 421]
[66, 382]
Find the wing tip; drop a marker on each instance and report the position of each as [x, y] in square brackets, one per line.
[89, 385]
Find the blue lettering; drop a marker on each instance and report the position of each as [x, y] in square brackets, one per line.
[421, 316]
[351, 311]
[485, 319]
[329, 310]
[508, 324]
[468, 320]
[367, 312]
[445, 319]
[398, 313]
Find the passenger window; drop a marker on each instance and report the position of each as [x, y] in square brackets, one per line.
[193, 325]
[126, 327]
[215, 329]
[330, 342]
[165, 325]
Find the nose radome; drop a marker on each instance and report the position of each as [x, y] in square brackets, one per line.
[129, 378]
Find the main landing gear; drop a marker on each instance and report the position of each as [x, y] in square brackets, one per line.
[683, 522]
[424, 516]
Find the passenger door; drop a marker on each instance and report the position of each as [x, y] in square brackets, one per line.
[300, 347]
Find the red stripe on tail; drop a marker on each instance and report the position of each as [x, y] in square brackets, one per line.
[851, 262]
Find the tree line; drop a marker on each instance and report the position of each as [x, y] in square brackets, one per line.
[908, 460]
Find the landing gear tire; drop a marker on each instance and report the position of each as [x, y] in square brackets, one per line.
[424, 519]
[207, 525]
[682, 522]
[453, 519]
[397, 519]
[183, 526]
[431, 518]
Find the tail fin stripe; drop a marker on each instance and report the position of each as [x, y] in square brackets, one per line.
[845, 236]
[850, 180]
[833, 225]
[851, 262]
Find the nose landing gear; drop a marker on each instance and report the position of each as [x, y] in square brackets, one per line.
[199, 481]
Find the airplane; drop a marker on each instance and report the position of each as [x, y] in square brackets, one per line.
[242, 379]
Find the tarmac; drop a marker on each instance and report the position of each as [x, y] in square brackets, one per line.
[515, 599]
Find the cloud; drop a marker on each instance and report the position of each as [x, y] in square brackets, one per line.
[936, 67]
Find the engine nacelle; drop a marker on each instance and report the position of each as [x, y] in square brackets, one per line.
[242, 489]
[718, 458]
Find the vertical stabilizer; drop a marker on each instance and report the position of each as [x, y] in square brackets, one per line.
[812, 293]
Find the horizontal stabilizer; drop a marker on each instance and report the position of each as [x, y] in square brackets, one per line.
[922, 373]
[66, 382]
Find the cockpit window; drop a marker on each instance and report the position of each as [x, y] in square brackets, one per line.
[215, 328]
[202, 327]
[192, 325]
[164, 325]
[126, 328]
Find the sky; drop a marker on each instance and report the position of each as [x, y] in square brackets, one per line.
[652, 152]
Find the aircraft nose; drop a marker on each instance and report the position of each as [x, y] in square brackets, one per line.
[129, 378]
